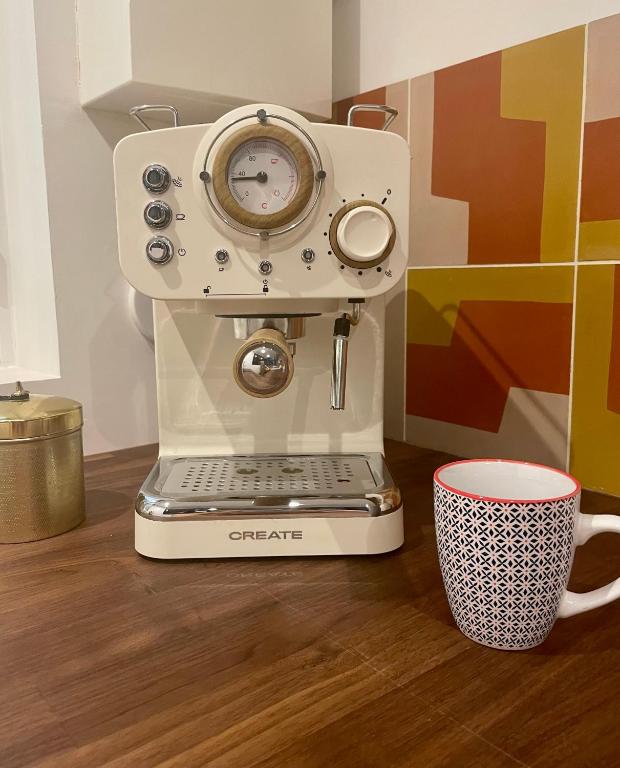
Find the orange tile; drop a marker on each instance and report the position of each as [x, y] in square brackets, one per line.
[488, 360]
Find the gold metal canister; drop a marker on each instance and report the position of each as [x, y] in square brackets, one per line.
[41, 466]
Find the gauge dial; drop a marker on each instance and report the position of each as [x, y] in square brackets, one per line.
[263, 177]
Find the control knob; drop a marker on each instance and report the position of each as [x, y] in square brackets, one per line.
[157, 214]
[156, 178]
[362, 234]
[159, 250]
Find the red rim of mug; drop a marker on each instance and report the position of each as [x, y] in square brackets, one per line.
[479, 497]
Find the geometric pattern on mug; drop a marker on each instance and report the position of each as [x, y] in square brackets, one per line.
[505, 566]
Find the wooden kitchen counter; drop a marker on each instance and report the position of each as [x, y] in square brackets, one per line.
[110, 659]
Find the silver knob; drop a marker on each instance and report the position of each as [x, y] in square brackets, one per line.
[159, 250]
[156, 178]
[221, 256]
[157, 214]
[265, 267]
[307, 255]
[263, 366]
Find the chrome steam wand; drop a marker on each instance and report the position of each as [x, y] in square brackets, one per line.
[342, 329]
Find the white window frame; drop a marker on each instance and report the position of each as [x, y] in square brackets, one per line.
[28, 328]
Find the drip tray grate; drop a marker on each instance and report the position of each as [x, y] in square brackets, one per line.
[250, 476]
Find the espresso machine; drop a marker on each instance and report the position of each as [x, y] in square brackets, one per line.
[267, 243]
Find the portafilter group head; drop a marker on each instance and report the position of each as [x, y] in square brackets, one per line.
[263, 365]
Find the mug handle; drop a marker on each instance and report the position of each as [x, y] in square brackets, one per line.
[576, 602]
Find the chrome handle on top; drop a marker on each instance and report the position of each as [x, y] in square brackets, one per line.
[136, 112]
[390, 113]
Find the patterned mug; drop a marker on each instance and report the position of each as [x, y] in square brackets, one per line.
[506, 536]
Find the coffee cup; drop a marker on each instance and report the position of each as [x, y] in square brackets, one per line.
[506, 537]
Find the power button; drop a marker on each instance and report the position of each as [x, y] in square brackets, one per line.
[159, 250]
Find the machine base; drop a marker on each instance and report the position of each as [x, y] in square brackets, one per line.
[265, 537]
[268, 505]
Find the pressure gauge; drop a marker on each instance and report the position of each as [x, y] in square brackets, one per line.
[263, 177]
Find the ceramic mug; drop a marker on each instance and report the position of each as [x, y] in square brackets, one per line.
[506, 536]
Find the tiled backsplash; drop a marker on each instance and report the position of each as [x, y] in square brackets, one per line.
[512, 343]
[488, 361]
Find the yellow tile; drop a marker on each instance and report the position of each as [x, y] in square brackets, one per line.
[595, 433]
[543, 80]
[435, 294]
[599, 240]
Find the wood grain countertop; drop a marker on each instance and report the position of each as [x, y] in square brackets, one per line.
[107, 658]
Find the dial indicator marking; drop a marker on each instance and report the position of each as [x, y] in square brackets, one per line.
[262, 176]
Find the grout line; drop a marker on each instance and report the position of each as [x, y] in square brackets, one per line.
[403, 431]
[518, 265]
[569, 423]
[409, 113]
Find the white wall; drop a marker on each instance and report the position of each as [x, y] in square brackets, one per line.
[378, 43]
[104, 361]
[206, 56]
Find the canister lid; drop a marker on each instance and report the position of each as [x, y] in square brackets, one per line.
[23, 415]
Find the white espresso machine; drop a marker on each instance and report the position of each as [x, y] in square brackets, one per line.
[267, 243]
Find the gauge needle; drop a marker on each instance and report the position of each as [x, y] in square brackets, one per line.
[261, 177]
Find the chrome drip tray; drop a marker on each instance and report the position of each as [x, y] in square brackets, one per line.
[209, 487]
[269, 475]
